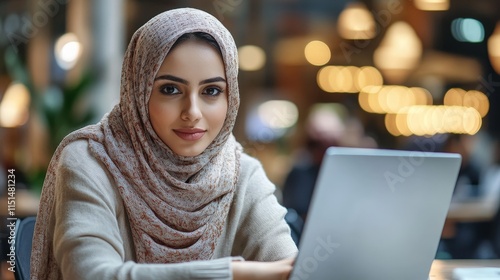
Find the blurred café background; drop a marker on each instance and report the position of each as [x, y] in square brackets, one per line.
[395, 74]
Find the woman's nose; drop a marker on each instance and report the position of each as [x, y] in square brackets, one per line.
[191, 111]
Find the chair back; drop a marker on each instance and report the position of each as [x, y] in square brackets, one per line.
[24, 240]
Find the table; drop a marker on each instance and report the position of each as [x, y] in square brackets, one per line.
[473, 210]
[443, 269]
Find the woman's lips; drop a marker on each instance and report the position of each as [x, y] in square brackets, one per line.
[190, 134]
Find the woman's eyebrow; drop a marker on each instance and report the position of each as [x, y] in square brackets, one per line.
[181, 80]
[212, 80]
[172, 78]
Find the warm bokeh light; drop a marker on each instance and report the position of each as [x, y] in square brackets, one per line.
[251, 58]
[14, 106]
[424, 120]
[391, 99]
[494, 48]
[356, 22]
[323, 78]
[341, 79]
[467, 30]
[67, 51]
[432, 5]
[317, 53]
[421, 95]
[472, 98]
[368, 76]
[278, 114]
[350, 79]
[398, 53]
[390, 124]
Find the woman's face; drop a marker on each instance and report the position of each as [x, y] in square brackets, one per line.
[188, 104]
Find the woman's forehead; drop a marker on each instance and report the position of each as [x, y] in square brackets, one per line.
[193, 61]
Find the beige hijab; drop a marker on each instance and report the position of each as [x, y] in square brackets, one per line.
[176, 205]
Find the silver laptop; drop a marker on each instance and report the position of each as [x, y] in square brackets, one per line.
[376, 214]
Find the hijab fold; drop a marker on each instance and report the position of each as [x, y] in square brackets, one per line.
[176, 205]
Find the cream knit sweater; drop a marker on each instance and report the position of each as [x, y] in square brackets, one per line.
[92, 238]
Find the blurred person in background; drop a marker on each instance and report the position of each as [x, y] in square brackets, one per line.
[467, 236]
[478, 185]
[324, 128]
[492, 183]
[327, 125]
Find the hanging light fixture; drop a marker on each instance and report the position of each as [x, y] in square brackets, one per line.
[494, 48]
[14, 106]
[399, 52]
[356, 22]
[432, 5]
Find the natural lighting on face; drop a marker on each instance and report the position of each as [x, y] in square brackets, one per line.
[251, 58]
[317, 53]
[67, 51]
[467, 30]
[14, 106]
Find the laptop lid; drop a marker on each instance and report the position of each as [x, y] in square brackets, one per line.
[376, 214]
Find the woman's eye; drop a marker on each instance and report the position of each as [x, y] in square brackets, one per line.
[169, 90]
[212, 91]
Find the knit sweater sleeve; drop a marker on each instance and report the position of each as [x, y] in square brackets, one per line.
[263, 234]
[87, 243]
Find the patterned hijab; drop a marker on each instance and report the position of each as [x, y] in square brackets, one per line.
[176, 205]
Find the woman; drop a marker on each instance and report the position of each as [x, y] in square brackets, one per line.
[160, 189]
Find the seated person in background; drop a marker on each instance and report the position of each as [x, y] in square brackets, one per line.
[327, 125]
[492, 183]
[160, 188]
[461, 239]
[468, 177]
[468, 235]
[324, 127]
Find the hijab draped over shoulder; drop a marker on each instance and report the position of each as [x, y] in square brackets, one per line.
[176, 205]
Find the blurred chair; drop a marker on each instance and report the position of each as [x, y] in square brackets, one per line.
[295, 223]
[496, 234]
[24, 240]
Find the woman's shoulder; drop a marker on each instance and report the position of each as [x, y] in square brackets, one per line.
[77, 156]
[80, 167]
[75, 152]
[249, 164]
[253, 177]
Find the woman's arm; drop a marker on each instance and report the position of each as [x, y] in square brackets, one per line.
[263, 234]
[278, 270]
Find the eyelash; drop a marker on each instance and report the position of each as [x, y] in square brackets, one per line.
[219, 91]
[177, 91]
[164, 87]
